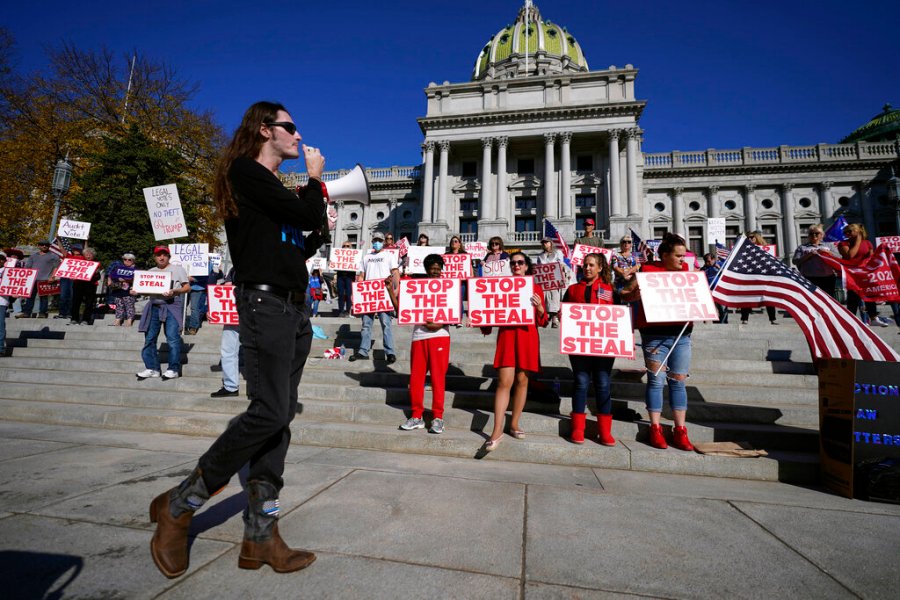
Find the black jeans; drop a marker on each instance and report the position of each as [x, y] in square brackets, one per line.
[275, 337]
[84, 297]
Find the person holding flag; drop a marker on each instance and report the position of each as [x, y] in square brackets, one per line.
[856, 250]
[808, 261]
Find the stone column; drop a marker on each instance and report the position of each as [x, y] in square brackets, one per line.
[749, 209]
[631, 166]
[678, 211]
[428, 182]
[868, 212]
[441, 213]
[565, 170]
[392, 217]
[787, 212]
[339, 235]
[712, 208]
[824, 200]
[550, 204]
[502, 192]
[615, 203]
[486, 208]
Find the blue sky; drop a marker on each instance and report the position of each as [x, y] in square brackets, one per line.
[716, 74]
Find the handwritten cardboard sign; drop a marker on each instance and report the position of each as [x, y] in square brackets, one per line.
[152, 282]
[596, 330]
[345, 259]
[166, 216]
[457, 266]
[496, 268]
[582, 250]
[77, 268]
[78, 230]
[549, 276]
[477, 250]
[417, 254]
[430, 301]
[675, 296]
[17, 283]
[370, 297]
[222, 307]
[215, 259]
[501, 301]
[892, 241]
[193, 257]
[316, 262]
[715, 231]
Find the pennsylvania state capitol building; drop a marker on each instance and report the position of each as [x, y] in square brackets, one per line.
[537, 134]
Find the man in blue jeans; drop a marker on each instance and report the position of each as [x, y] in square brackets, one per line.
[164, 311]
[378, 265]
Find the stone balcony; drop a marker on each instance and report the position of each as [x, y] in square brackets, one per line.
[374, 175]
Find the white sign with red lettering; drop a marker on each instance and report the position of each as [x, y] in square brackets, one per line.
[166, 215]
[417, 254]
[477, 250]
[496, 268]
[430, 301]
[500, 301]
[17, 283]
[403, 245]
[771, 249]
[77, 268]
[675, 296]
[11, 262]
[152, 282]
[596, 330]
[892, 241]
[550, 276]
[222, 307]
[457, 266]
[345, 259]
[371, 297]
[78, 230]
[582, 250]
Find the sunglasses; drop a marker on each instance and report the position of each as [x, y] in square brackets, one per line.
[286, 125]
[495, 243]
[517, 262]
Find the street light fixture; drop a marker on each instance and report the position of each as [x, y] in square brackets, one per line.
[62, 180]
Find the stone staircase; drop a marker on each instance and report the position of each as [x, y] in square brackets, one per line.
[753, 383]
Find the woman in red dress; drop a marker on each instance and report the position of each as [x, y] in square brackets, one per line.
[518, 354]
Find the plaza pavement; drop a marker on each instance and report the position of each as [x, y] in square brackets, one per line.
[74, 524]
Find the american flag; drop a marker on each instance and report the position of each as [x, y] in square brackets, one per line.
[551, 232]
[640, 245]
[752, 277]
[61, 246]
[604, 295]
[721, 254]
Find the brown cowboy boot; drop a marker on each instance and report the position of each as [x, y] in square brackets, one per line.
[172, 512]
[262, 543]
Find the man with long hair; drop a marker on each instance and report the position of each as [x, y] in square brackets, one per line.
[264, 222]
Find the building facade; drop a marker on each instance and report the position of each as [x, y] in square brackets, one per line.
[536, 134]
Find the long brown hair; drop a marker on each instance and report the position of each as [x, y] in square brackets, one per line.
[605, 274]
[247, 142]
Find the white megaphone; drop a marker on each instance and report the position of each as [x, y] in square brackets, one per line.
[352, 187]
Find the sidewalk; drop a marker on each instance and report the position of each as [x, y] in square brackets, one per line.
[75, 524]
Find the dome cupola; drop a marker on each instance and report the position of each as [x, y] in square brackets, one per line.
[883, 127]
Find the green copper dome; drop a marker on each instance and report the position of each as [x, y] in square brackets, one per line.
[883, 127]
[530, 46]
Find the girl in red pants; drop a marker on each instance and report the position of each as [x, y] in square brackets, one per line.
[430, 352]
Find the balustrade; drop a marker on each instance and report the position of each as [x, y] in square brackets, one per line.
[773, 155]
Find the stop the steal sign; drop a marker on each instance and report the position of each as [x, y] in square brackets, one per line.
[670, 296]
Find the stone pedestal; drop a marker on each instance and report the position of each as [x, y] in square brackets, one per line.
[438, 233]
[488, 228]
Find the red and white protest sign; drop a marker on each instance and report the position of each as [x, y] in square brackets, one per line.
[152, 282]
[496, 268]
[403, 245]
[417, 254]
[457, 266]
[670, 296]
[891, 241]
[11, 262]
[430, 301]
[596, 330]
[17, 283]
[222, 307]
[771, 249]
[499, 301]
[549, 276]
[477, 250]
[371, 297]
[48, 288]
[345, 259]
[582, 250]
[77, 268]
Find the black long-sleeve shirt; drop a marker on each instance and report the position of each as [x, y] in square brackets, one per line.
[266, 239]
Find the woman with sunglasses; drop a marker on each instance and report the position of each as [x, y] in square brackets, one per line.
[495, 250]
[518, 354]
[119, 279]
[594, 288]
[624, 262]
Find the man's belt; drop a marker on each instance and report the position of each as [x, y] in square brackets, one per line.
[290, 296]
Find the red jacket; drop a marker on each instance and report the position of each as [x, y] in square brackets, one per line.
[601, 293]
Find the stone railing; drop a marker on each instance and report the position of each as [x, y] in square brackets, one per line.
[468, 237]
[524, 236]
[373, 175]
[774, 155]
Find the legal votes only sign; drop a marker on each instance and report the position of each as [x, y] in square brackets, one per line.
[370, 297]
[193, 257]
[430, 301]
[166, 216]
[670, 296]
[499, 301]
[222, 307]
[152, 282]
[596, 330]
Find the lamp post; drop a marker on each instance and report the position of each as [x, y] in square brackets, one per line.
[62, 179]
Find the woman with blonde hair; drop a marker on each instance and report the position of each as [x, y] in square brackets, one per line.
[855, 250]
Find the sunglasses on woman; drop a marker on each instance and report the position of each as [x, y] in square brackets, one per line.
[517, 262]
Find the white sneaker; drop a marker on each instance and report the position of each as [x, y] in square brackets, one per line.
[878, 322]
[170, 374]
[147, 373]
